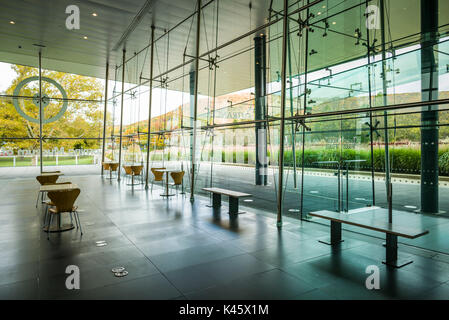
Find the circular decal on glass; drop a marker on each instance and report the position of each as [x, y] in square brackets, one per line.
[45, 99]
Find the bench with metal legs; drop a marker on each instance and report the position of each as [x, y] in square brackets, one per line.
[234, 197]
[392, 232]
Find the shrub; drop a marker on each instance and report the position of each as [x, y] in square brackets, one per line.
[443, 163]
[402, 160]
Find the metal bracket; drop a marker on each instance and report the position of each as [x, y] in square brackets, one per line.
[304, 24]
[374, 128]
[212, 61]
[301, 122]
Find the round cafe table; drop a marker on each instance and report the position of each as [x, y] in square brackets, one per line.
[167, 172]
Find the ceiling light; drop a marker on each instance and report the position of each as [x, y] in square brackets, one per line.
[94, 14]
[319, 12]
[12, 22]
[85, 37]
[334, 22]
[323, 7]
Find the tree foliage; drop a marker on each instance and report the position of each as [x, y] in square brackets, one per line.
[82, 119]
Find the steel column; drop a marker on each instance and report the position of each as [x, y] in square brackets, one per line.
[121, 117]
[41, 113]
[429, 115]
[104, 116]
[282, 124]
[293, 133]
[370, 113]
[303, 139]
[260, 96]
[149, 107]
[195, 100]
[385, 102]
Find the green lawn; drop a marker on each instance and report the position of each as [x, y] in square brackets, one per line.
[26, 162]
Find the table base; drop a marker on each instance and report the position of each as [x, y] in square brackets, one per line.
[62, 228]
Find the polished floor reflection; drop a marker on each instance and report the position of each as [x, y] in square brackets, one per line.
[175, 250]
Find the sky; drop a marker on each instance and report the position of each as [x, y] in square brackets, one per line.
[7, 75]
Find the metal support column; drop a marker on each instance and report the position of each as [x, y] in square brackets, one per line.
[104, 115]
[260, 84]
[429, 114]
[282, 124]
[293, 133]
[192, 110]
[149, 107]
[303, 130]
[195, 100]
[368, 47]
[41, 113]
[121, 117]
[385, 100]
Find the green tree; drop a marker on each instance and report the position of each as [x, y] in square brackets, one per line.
[82, 119]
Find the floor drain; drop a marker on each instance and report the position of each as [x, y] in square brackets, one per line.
[118, 269]
[121, 274]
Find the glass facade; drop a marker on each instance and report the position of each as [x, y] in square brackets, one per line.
[352, 95]
[72, 118]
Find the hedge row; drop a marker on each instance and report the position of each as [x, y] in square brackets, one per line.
[402, 160]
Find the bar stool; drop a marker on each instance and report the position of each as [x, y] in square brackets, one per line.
[136, 171]
[128, 171]
[43, 180]
[49, 204]
[158, 177]
[177, 179]
[113, 168]
[106, 166]
[64, 202]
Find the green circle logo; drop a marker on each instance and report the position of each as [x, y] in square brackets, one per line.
[45, 99]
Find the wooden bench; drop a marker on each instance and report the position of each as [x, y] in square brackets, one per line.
[392, 232]
[233, 198]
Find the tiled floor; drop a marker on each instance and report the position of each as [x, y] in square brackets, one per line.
[175, 250]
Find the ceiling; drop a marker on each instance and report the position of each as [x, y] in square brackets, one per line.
[42, 22]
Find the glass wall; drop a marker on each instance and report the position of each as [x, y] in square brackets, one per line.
[350, 126]
[72, 118]
[358, 91]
